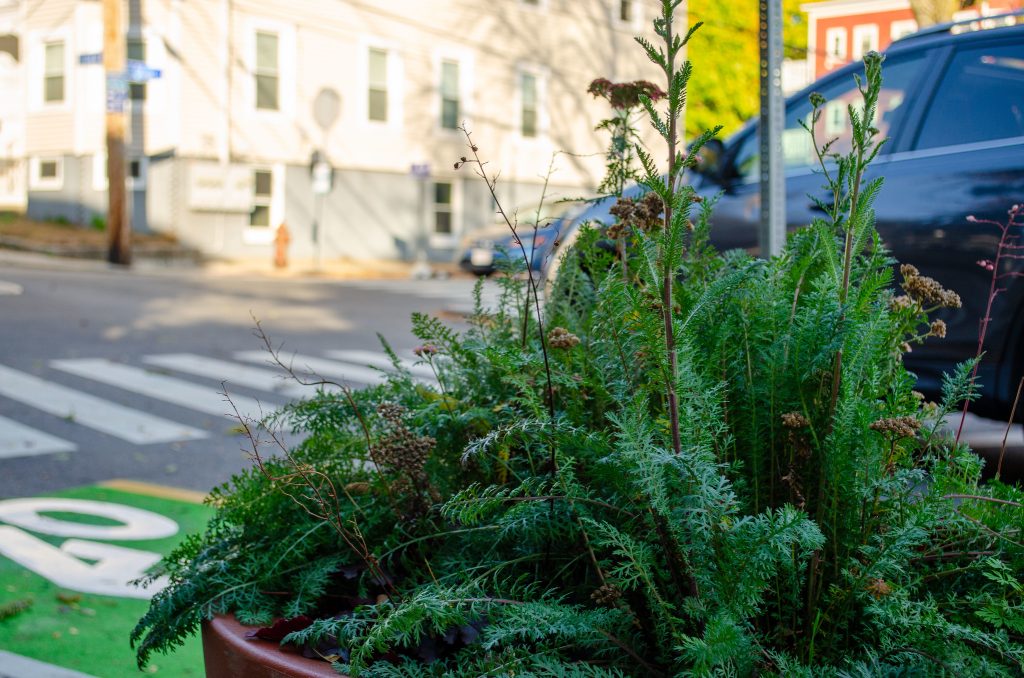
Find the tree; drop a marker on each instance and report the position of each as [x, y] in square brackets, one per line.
[930, 12]
[724, 86]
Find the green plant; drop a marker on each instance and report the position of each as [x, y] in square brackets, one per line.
[98, 222]
[706, 464]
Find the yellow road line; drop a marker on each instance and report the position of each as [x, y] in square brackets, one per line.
[153, 490]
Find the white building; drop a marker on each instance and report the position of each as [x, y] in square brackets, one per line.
[222, 141]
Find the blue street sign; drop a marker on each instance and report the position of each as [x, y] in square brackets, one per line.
[420, 170]
[91, 59]
[138, 71]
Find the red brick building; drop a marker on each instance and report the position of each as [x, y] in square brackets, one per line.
[841, 31]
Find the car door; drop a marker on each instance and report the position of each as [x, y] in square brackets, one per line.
[738, 210]
[965, 158]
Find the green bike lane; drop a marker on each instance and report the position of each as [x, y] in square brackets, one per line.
[66, 562]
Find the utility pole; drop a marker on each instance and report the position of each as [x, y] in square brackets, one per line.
[114, 48]
[772, 234]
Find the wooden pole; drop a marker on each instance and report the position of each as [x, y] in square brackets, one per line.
[114, 48]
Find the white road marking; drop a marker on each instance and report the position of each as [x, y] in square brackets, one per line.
[9, 288]
[378, 359]
[15, 666]
[161, 387]
[92, 412]
[328, 369]
[21, 441]
[275, 381]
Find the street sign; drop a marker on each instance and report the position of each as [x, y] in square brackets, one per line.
[138, 71]
[420, 170]
[90, 59]
[117, 93]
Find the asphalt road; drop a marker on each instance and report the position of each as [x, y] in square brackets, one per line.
[117, 374]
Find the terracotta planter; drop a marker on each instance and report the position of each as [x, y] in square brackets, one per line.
[228, 653]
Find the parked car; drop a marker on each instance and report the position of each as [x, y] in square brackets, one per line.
[952, 105]
[483, 251]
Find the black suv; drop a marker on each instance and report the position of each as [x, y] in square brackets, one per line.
[952, 105]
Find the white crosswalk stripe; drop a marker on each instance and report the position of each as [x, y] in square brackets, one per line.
[375, 359]
[17, 440]
[90, 411]
[457, 292]
[155, 381]
[205, 399]
[260, 379]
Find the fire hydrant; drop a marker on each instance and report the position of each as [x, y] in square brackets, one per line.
[281, 240]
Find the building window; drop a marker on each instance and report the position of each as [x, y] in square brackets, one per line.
[625, 10]
[378, 92]
[902, 28]
[449, 95]
[137, 168]
[835, 39]
[262, 193]
[46, 174]
[53, 75]
[865, 39]
[443, 209]
[137, 52]
[267, 71]
[528, 90]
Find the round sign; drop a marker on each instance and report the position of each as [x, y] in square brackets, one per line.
[326, 107]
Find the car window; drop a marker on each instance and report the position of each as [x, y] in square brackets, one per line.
[981, 98]
[798, 151]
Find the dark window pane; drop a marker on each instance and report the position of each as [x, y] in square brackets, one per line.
[262, 183]
[450, 114]
[137, 91]
[529, 123]
[266, 92]
[260, 216]
[135, 169]
[48, 169]
[443, 194]
[625, 10]
[136, 49]
[443, 223]
[378, 105]
[981, 98]
[54, 88]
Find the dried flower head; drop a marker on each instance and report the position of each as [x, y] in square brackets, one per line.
[938, 328]
[927, 291]
[624, 95]
[902, 302]
[795, 420]
[425, 350]
[878, 588]
[560, 337]
[606, 594]
[899, 427]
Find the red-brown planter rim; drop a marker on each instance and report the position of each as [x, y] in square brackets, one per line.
[229, 653]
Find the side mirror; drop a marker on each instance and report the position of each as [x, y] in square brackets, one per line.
[709, 160]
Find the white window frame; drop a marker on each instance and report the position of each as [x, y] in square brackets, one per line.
[860, 32]
[831, 58]
[286, 72]
[446, 240]
[635, 20]
[898, 29]
[36, 70]
[541, 75]
[466, 70]
[36, 182]
[395, 83]
[260, 235]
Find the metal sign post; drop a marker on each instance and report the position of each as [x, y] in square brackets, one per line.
[772, 233]
[326, 109]
[422, 270]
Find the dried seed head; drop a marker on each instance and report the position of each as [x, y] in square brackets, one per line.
[899, 427]
[606, 594]
[357, 488]
[878, 588]
[795, 420]
[425, 350]
[938, 328]
[560, 337]
[927, 291]
[901, 302]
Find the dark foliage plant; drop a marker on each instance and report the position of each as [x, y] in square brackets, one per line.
[699, 464]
